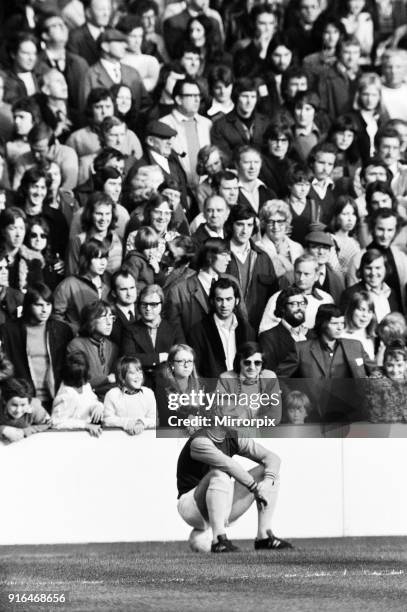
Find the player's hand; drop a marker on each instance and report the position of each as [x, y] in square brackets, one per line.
[97, 413]
[260, 496]
[94, 430]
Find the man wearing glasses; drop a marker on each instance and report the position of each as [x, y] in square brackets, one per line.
[193, 130]
[280, 340]
[151, 337]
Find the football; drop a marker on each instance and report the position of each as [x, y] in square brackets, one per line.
[200, 540]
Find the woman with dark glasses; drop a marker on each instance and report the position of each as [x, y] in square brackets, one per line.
[249, 391]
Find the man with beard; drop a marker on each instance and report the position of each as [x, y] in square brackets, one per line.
[279, 341]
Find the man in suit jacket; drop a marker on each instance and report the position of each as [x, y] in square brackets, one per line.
[150, 338]
[279, 341]
[108, 71]
[124, 295]
[328, 356]
[320, 244]
[216, 212]
[243, 125]
[83, 41]
[216, 338]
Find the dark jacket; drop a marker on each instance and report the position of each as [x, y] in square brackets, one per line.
[14, 338]
[336, 91]
[14, 87]
[10, 303]
[207, 344]
[261, 286]
[276, 343]
[174, 31]
[229, 133]
[82, 43]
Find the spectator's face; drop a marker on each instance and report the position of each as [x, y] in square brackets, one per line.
[265, 26]
[41, 311]
[374, 273]
[134, 377]
[214, 163]
[148, 19]
[347, 218]
[116, 49]
[250, 367]
[55, 174]
[36, 195]
[394, 71]
[395, 368]
[330, 37]
[3, 273]
[18, 406]
[161, 217]
[163, 146]
[222, 92]
[380, 200]
[350, 57]
[225, 302]
[343, 140]
[99, 12]
[189, 100]
[300, 190]
[243, 230]
[304, 115]
[56, 31]
[14, 234]
[197, 34]
[115, 136]
[183, 364]
[369, 98]
[281, 58]
[191, 62]
[246, 103]
[389, 150]
[26, 56]
[296, 415]
[221, 262]
[362, 316]
[173, 196]
[356, 6]
[278, 146]
[104, 324]
[334, 328]
[276, 227]
[216, 212]
[296, 84]
[305, 276]
[295, 310]
[56, 85]
[375, 173]
[323, 165]
[103, 108]
[113, 188]
[384, 231]
[125, 291]
[37, 238]
[23, 122]
[102, 217]
[319, 251]
[249, 166]
[40, 149]
[98, 265]
[229, 190]
[309, 11]
[123, 100]
[135, 40]
[401, 130]
[150, 307]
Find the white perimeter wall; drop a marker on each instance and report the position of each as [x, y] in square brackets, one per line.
[68, 487]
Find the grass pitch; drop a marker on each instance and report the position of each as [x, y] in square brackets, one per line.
[319, 575]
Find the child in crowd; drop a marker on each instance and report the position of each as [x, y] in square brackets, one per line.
[392, 327]
[130, 405]
[21, 415]
[76, 405]
[298, 407]
[387, 392]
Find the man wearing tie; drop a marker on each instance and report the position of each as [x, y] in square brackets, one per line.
[124, 294]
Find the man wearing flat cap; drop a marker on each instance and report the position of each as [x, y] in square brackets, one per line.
[109, 71]
[320, 244]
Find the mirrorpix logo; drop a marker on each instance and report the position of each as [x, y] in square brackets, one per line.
[225, 409]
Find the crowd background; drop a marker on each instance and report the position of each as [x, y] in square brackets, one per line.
[202, 195]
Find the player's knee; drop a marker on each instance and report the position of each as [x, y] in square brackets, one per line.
[219, 479]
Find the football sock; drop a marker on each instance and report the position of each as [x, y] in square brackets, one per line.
[219, 497]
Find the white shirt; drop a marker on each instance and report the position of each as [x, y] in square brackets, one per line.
[94, 31]
[28, 81]
[240, 252]
[296, 333]
[217, 107]
[321, 186]
[205, 278]
[126, 310]
[161, 161]
[113, 69]
[228, 337]
[253, 194]
[394, 100]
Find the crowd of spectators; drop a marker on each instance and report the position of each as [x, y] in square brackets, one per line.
[202, 195]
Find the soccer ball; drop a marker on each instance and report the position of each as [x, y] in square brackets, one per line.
[200, 540]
